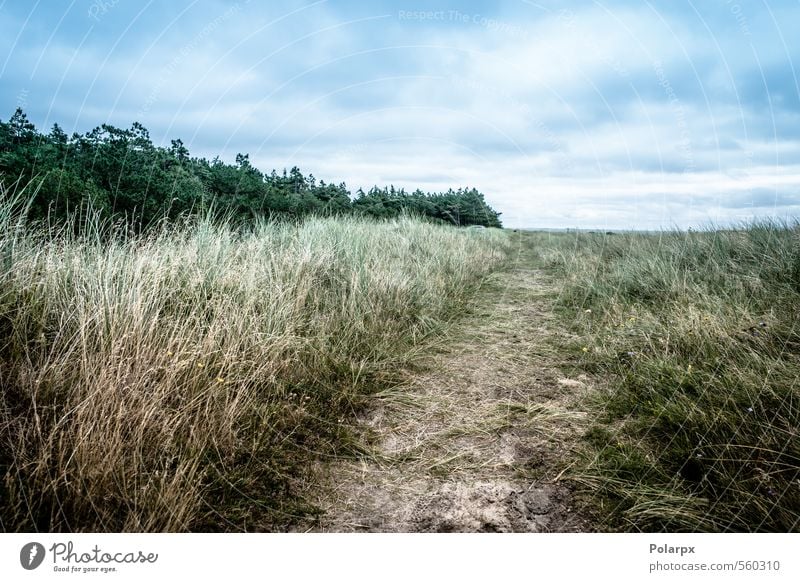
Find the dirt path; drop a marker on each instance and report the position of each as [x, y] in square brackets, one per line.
[476, 442]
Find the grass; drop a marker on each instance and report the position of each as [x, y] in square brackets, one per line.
[188, 379]
[191, 379]
[697, 339]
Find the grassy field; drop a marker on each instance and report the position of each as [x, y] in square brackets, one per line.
[188, 379]
[696, 340]
[192, 378]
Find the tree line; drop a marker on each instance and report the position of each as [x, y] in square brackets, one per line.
[120, 173]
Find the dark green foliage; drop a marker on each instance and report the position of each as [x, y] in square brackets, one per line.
[460, 207]
[120, 173]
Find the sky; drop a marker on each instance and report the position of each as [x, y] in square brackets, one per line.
[613, 115]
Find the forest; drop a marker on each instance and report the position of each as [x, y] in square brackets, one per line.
[121, 174]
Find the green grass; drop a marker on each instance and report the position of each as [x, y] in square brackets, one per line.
[193, 378]
[696, 337]
[190, 379]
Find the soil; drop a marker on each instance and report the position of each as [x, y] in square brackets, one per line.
[479, 440]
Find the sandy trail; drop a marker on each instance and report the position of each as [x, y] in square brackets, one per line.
[476, 442]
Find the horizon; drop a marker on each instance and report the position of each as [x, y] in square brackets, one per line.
[595, 116]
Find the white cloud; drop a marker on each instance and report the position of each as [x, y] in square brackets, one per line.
[597, 116]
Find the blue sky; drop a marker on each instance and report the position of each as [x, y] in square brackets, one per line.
[592, 114]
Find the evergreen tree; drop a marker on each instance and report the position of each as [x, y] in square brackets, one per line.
[121, 173]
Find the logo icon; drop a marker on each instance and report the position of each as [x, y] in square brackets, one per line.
[31, 555]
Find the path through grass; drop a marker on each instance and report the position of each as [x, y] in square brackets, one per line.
[477, 440]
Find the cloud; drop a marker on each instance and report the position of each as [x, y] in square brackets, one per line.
[614, 115]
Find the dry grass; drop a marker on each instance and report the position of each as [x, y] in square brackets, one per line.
[185, 380]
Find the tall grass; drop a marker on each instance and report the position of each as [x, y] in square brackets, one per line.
[699, 333]
[187, 379]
